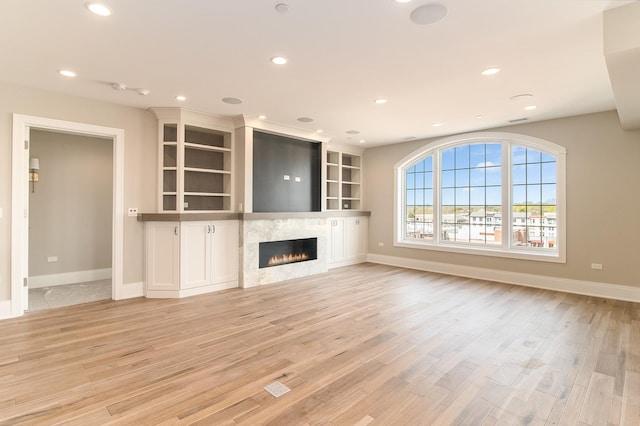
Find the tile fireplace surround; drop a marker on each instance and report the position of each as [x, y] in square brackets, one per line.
[255, 231]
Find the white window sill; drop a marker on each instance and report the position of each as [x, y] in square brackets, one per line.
[553, 256]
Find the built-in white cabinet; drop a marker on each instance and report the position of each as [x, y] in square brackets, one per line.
[191, 257]
[162, 250]
[347, 240]
[343, 181]
[336, 247]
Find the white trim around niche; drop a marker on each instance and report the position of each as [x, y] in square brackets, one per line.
[585, 288]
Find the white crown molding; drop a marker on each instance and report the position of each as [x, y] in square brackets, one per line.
[194, 117]
[280, 129]
[349, 149]
[585, 288]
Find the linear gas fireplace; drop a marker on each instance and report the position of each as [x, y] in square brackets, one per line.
[274, 253]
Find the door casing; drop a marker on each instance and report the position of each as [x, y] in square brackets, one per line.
[22, 125]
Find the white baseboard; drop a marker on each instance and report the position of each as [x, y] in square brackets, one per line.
[132, 290]
[170, 294]
[586, 288]
[51, 280]
[5, 309]
[349, 262]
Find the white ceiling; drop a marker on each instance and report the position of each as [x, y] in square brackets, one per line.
[342, 55]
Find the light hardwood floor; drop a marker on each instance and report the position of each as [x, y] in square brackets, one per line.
[368, 344]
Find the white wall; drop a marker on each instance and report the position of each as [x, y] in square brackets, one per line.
[140, 163]
[602, 202]
[71, 206]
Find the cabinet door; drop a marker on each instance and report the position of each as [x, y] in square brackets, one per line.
[162, 242]
[225, 251]
[356, 238]
[337, 240]
[194, 254]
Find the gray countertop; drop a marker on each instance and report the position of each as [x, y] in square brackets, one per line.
[184, 217]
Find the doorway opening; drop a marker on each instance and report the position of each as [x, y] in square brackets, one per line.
[70, 219]
[23, 183]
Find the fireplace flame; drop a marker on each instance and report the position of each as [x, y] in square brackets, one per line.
[288, 258]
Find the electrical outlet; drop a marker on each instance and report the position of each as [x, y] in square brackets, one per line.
[596, 266]
[133, 211]
[380, 244]
[52, 259]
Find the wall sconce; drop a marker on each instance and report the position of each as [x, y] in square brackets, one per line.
[34, 166]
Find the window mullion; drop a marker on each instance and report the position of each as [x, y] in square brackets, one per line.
[436, 197]
[507, 209]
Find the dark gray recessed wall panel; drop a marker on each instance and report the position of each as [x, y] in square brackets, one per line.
[275, 157]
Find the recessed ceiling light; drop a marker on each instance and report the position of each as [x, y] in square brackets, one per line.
[262, 117]
[305, 119]
[362, 141]
[279, 60]
[530, 107]
[232, 101]
[409, 138]
[429, 14]
[490, 71]
[99, 9]
[436, 124]
[118, 87]
[319, 131]
[478, 117]
[181, 98]
[403, 1]
[143, 92]
[352, 132]
[380, 101]
[67, 73]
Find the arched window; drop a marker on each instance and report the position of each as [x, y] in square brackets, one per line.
[494, 194]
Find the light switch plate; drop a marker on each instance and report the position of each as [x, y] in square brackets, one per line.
[297, 179]
[286, 177]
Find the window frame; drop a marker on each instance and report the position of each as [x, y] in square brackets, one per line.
[506, 249]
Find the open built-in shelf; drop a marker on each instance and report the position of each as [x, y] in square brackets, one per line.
[343, 181]
[195, 164]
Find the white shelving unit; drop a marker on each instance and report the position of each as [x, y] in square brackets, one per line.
[343, 181]
[196, 162]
